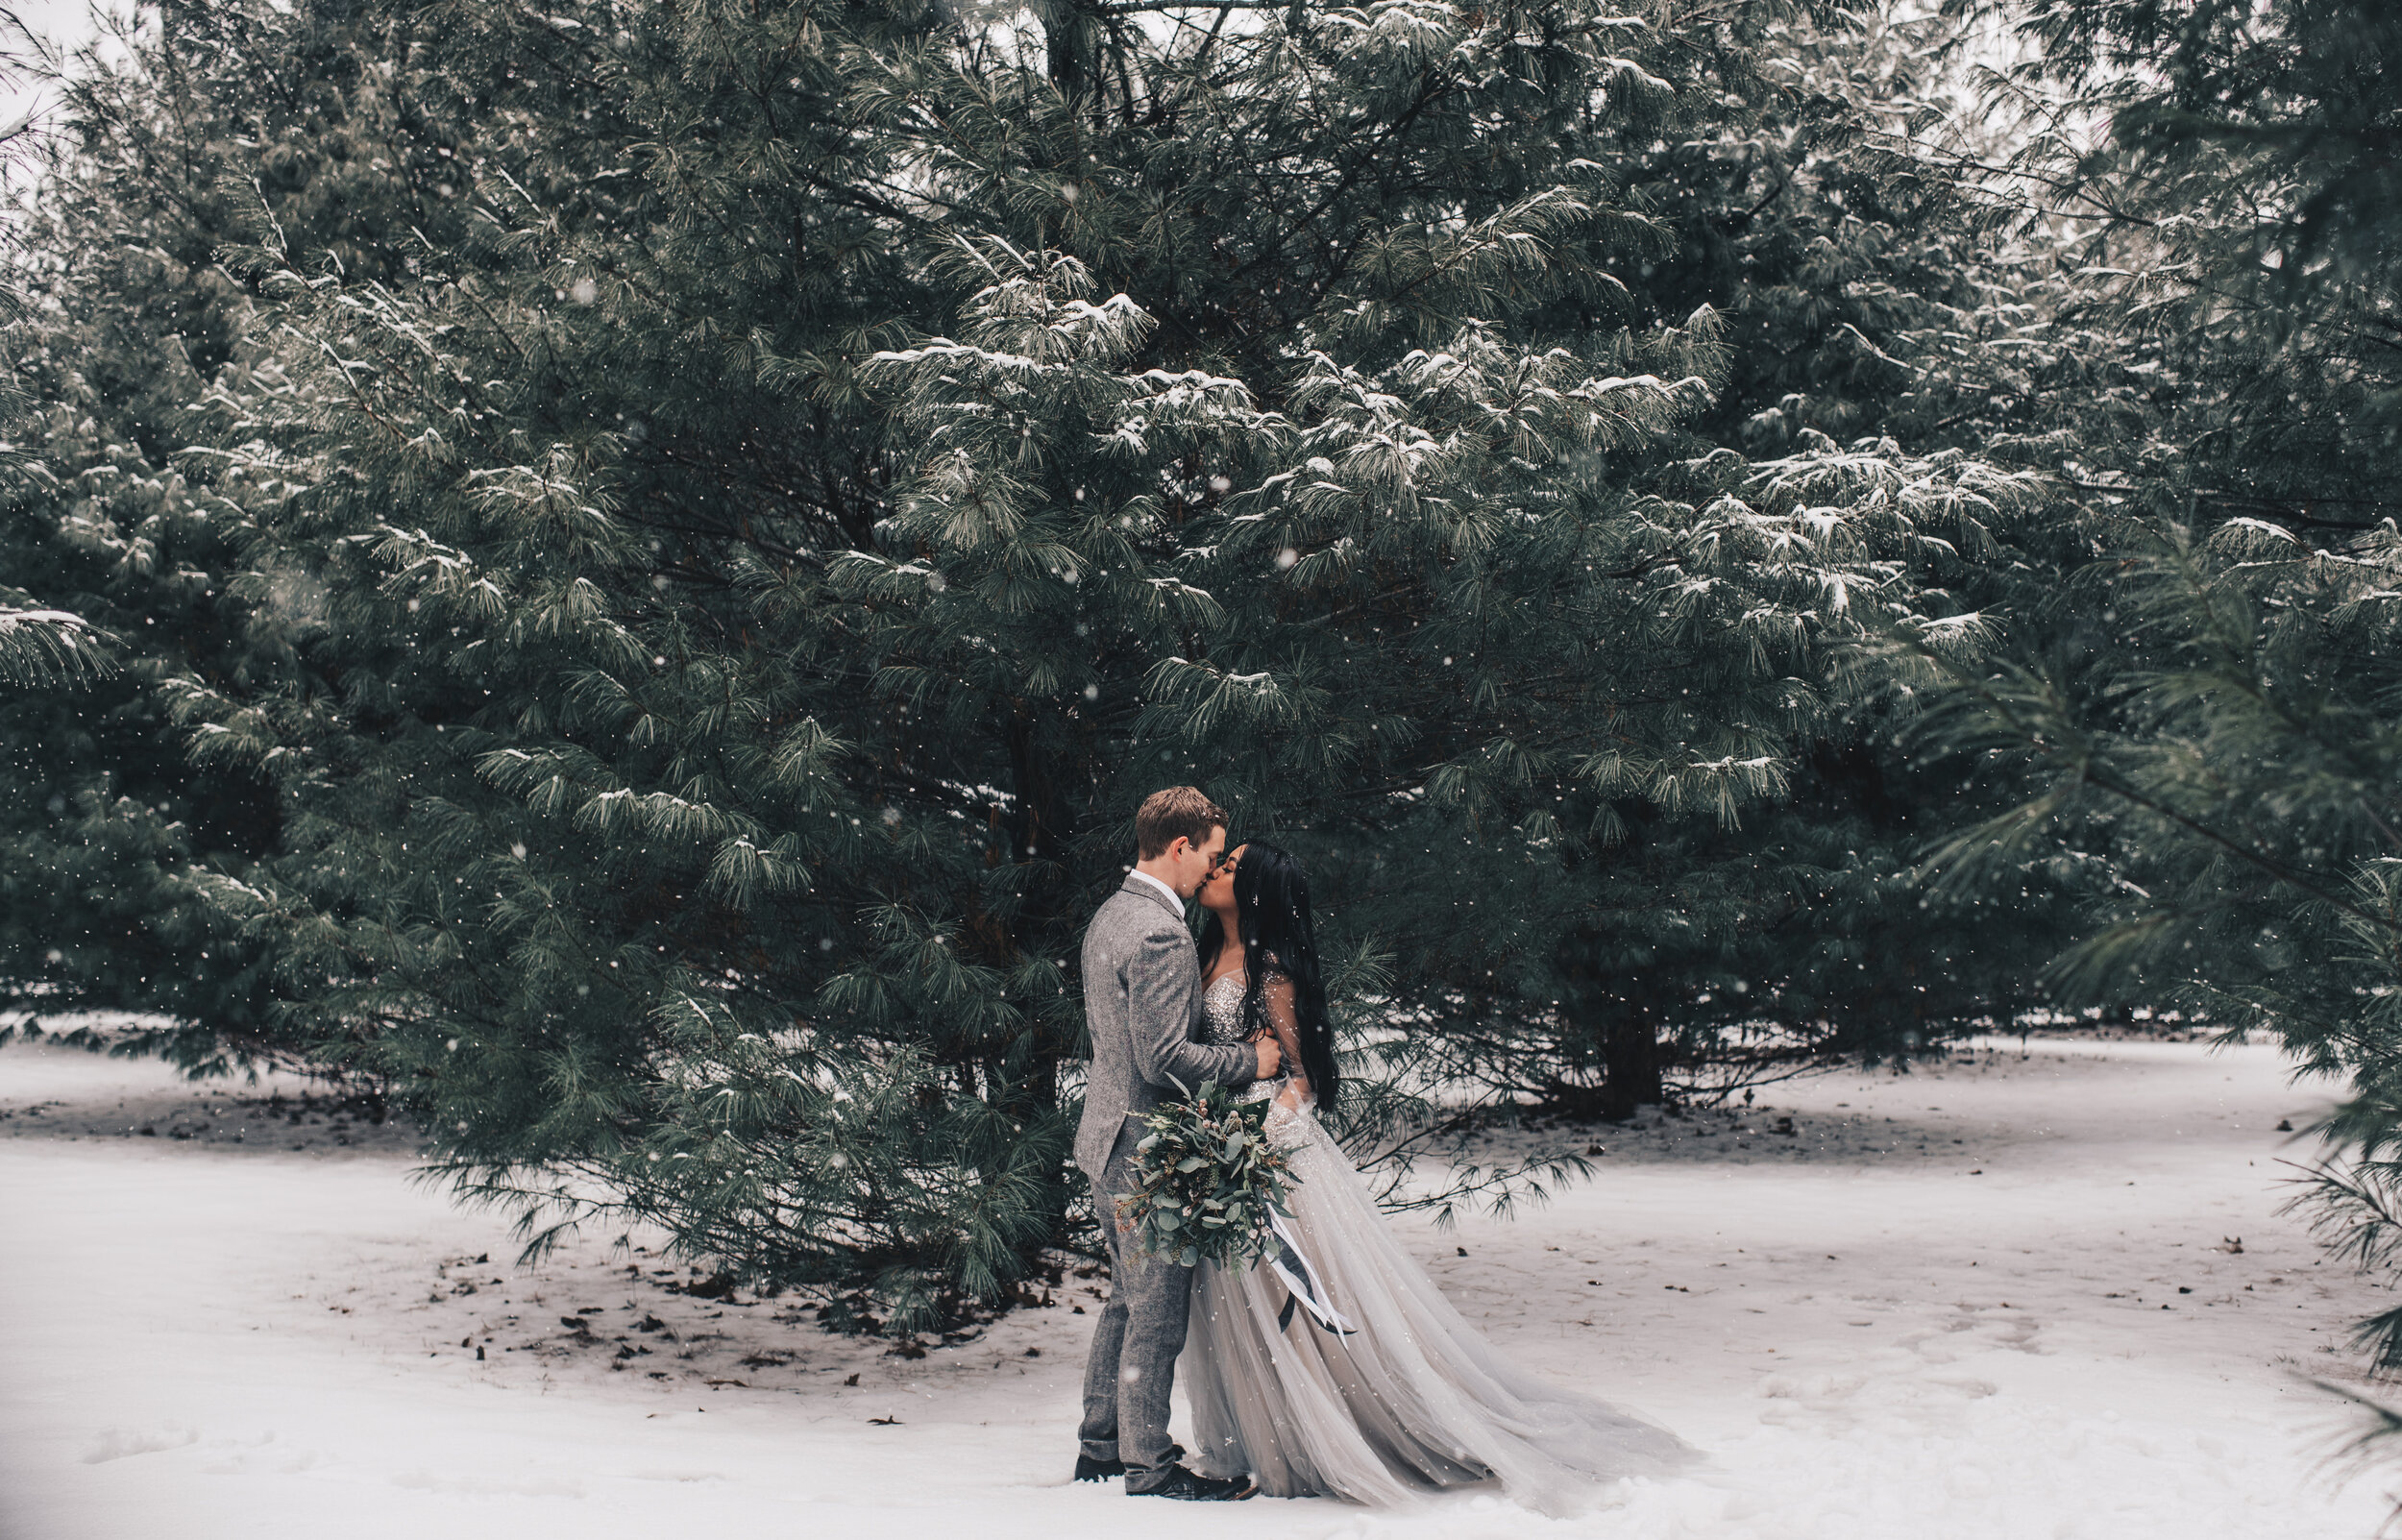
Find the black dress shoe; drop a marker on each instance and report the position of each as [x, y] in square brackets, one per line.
[1088, 1469]
[1191, 1488]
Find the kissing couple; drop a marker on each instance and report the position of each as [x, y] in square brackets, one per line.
[1379, 1392]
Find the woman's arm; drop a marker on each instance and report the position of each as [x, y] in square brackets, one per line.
[1283, 1019]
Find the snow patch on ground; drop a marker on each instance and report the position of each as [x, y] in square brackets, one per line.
[2003, 1296]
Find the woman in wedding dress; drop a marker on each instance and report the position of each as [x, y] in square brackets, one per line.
[1336, 1368]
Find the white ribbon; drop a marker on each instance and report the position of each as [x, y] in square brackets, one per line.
[1312, 1294]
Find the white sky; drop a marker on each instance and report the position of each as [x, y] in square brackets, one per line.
[65, 24]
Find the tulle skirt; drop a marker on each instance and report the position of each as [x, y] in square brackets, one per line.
[1415, 1400]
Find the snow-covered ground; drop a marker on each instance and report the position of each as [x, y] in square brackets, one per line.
[2000, 1298]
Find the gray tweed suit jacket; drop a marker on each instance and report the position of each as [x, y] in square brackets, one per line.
[1142, 998]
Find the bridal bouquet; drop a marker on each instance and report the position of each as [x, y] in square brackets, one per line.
[1208, 1185]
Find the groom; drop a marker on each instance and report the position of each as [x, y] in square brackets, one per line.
[1141, 993]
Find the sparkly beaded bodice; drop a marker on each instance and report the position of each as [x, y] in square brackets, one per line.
[1221, 1022]
[1221, 1010]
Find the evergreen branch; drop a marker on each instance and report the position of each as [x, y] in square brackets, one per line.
[2082, 762]
[1142, 7]
[40, 647]
[1433, 85]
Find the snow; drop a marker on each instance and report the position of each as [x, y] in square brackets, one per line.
[1874, 1330]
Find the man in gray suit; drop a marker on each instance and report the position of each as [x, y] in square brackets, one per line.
[1141, 995]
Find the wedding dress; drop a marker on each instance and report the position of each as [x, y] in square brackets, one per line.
[1410, 1400]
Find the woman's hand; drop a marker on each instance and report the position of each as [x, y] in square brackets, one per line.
[1287, 1125]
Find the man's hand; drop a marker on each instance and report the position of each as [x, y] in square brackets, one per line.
[1269, 1057]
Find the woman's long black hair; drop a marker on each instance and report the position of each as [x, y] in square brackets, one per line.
[1272, 916]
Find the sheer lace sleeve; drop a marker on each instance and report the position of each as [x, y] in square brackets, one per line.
[1295, 1101]
[1288, 1122]
[1283, 1019]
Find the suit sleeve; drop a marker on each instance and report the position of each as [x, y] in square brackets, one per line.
[1159, 997]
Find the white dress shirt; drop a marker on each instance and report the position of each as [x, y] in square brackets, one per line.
[1162, 887]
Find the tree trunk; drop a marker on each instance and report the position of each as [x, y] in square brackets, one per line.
[1067, 44]
[1631, 1058]
[1632, 1053]
[1040, 825]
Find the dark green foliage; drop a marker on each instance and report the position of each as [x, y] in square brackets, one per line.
[1208, 1181]
[114, 834]
[679, 535]
[2208, 708]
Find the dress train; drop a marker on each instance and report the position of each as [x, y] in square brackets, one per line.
[1413, 1400]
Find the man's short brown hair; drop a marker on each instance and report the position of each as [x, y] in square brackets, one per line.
[1175, 813]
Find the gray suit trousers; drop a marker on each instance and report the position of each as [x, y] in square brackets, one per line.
[1142, 1330]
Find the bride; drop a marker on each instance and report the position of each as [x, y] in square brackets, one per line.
[1355, 1379]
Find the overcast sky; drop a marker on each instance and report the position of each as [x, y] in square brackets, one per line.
[63, 23]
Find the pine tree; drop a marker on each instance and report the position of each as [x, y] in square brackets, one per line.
[730, 509]
[2211, 721]
[112, 833]
[37, 646]
[1855, 280]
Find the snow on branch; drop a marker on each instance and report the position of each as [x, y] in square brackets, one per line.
[42, 646]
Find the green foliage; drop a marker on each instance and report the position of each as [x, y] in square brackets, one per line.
[2206, 708]
[677, 536]
[1208, 1181]
[114, 836]
[38, 647]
